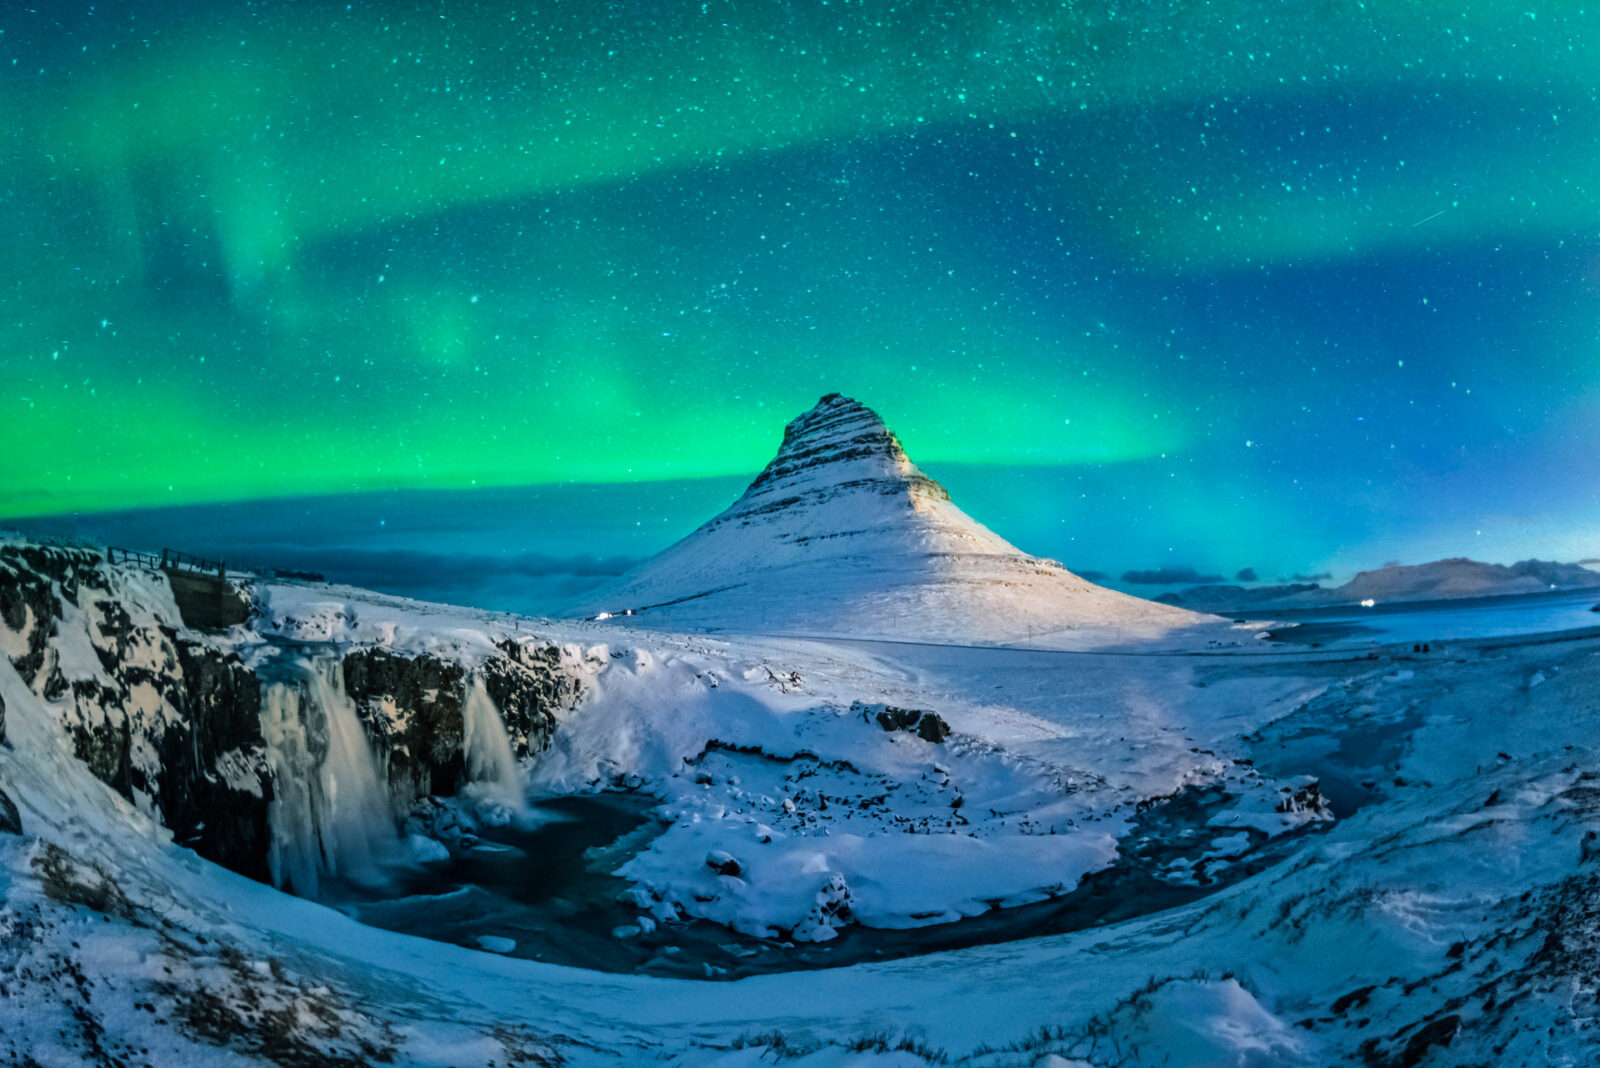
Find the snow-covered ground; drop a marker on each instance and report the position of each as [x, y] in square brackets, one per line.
[772, 753]
[1449, 919]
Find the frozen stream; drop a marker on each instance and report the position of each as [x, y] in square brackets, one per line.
[543, 893]
[1431, 621]
[542, 890]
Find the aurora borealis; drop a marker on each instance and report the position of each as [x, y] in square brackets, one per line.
[1285, 286]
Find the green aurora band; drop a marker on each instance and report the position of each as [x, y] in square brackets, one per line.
[297, 249]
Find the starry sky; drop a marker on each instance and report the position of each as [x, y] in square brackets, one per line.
[1164, 287]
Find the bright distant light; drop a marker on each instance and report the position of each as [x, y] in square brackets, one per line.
[1368, 603]
[603, 615]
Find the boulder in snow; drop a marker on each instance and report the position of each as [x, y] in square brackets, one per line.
[724, 863]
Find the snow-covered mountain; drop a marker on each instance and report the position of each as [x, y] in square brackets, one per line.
[842, 534]
[1437, 580]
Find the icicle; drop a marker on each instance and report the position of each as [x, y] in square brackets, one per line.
[330, 815]
[486, 748]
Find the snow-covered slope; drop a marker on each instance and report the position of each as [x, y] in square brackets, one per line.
[1449, 916]
[843, 535]
[1451, 919]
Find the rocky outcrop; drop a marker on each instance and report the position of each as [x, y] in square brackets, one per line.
[531, 685]
[412, 707]
[207, 601]
[839, 434]
[929, 726]
[169, 723]
[10, 819]
[213, 783]
[173, 722]
[35, 580]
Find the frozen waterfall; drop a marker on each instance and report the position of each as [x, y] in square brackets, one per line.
[331, 813]
[486, 749]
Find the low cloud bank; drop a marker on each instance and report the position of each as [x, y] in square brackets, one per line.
[1168, 576]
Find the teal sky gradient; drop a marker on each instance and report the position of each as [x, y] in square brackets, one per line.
[1294, 287]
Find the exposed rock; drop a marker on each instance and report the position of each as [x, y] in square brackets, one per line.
[1303, 795]
[30, 578]
[10, 818]
[929, 726]
[724, 863]
[412, 706]
[831, 910]
[837, 431]
[1440, 1032]
[206, 601]
[530, 686]
[214, 784]
[170, 724]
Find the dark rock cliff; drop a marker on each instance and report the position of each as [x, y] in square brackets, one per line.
[171, 720]
[531, 686]
[169, 723]
[413, 707]
[34, 581]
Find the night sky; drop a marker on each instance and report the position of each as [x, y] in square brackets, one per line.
[1293, 287]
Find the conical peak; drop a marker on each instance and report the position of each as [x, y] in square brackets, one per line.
[840, 479]
[836, 421]
[839, 431]
[842, 532]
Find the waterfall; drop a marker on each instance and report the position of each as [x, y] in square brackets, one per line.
[294, 855]
[486, 748]
[330, 815]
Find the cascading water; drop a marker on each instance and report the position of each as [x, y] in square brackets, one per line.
[331, 814]
[486, 749]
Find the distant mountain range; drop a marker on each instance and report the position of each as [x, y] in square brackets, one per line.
[1440, 580]
[842, 534]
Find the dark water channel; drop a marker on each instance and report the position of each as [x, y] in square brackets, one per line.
[546, 890]
[1354, 760]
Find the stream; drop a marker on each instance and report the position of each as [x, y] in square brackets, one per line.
[542, 892]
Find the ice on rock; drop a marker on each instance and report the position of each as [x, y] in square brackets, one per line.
[831, 911]
[496, 943]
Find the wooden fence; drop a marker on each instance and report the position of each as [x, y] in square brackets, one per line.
[169, 560]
